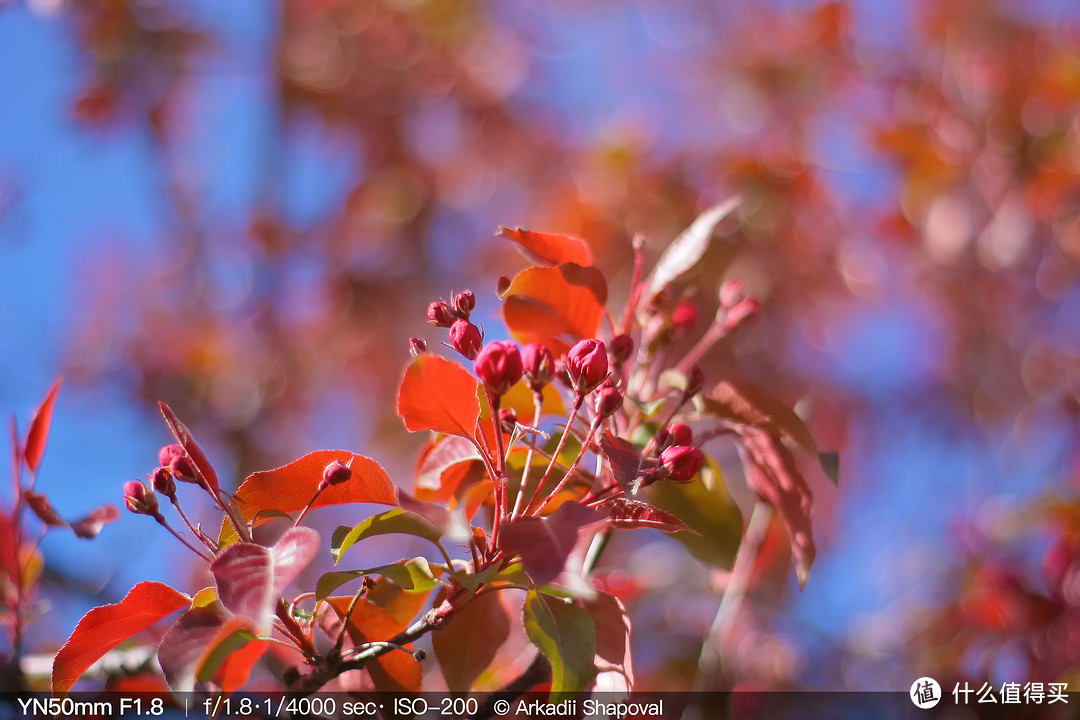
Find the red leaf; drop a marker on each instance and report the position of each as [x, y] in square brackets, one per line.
[403, 606]
[196, 646]
[626, 460]
[753, 406]
[394, 672]
[436, 394]
[544, 544]
[291, 487]
[467, 644]
[184, 437]
[556, 306]
[431, 472]
[90, 525]
[105, 627]
[236, 669]
[614, 666]
[39, 429]
[86, 527]
[44, 509]
[549, 248]
[625, 513]
[250, 577]
[772, 474]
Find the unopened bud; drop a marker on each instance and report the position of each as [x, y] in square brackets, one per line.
[464, 302]
[183, 469]
[466, 338]
[417, 347]
[695, 381]
[163, 482]
[683, 319]
[499, 366]
[479, 538]
[507, 420]
[622, 346]
[167, 453]
[538, 364]
[336, 473]
[677, 434]
[140, 499]
[682, 462]
[609, 399]
[587, 365]
[741, 313]
[731, 292]
[440, 314]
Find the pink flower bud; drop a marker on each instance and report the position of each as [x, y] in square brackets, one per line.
[741, 313]
[507, 420]
[677, 434]
[695, 381]
[466, 338]
[167, 453]
[683, 319]
[538, 364]
[183, 469]
[499, 366]
[609, 399]
[440, 314]
[336, 473]
[140, 499]
[464, 302]
[417, 347]
[622, 346]
[163, 482]
[682, 462]
[731, 292]
[587, 365]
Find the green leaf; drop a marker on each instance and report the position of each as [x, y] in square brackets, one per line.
[396, 521]
[566, 635]
[413, 575]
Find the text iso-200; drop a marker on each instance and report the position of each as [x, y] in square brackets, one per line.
[451, 707]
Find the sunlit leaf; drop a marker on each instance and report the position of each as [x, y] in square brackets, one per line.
[412, 575]
[234, 672]
[549, 248]
[750, 405]
[431, 473]
[566, 635]
[197, 645]
[105, 627]
[250, 577]
[401, 604]
[436, 394]
[290, 488]
[626, 461]
[687, 249]
[390, 522]
[394, 672]
[38, 434]
[466, 645]
[555, 306]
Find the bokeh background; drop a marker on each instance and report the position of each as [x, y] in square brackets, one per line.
[243, 208]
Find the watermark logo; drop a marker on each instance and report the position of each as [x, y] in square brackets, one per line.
[925, 693]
